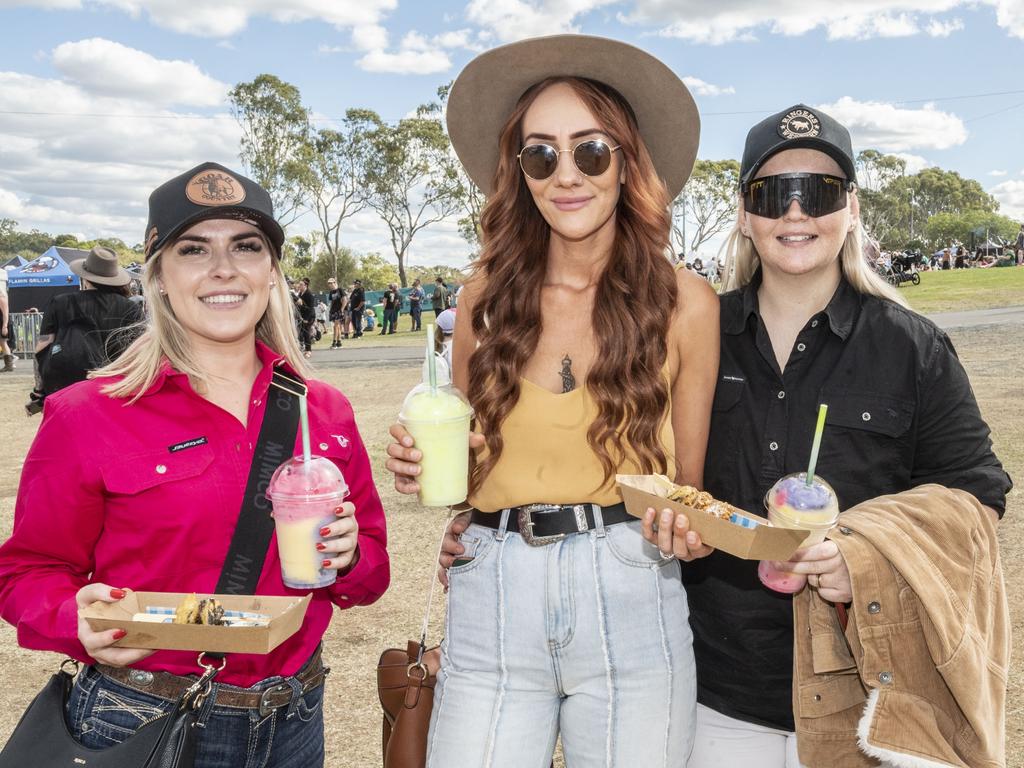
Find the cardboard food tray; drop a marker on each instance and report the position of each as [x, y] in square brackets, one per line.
[760, 542]
[285, 612]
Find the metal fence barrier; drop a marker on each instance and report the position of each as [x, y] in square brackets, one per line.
[24, 333]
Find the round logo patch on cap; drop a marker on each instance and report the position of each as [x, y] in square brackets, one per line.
[799, 124]
[214, 188]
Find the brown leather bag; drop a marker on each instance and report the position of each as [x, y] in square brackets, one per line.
[405, 685]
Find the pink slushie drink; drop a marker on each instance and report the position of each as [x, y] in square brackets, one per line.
[438, 421]
[305, 496]
[794, 504]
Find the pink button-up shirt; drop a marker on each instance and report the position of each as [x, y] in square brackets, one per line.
[108, 494]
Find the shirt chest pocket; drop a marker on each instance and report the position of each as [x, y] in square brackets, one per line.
[723, 440]
[335, 444]
[867, 435]
[158, 470]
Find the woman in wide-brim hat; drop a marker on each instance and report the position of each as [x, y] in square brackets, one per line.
[574, 343]
[137, 477]
[101, 307]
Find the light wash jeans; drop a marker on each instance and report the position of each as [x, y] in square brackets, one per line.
[588, 637]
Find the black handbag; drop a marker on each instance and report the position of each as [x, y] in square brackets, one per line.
[42, 737]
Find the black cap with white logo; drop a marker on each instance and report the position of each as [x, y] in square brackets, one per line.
[793, 128]
[208, 191]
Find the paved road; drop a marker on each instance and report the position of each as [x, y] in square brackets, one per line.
[976, 317]
[354, 354]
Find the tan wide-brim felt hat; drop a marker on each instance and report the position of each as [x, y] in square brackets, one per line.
[100, 266]
[488, 89]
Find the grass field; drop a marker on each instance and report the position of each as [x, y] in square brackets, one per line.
[356, 637]
[958, 290]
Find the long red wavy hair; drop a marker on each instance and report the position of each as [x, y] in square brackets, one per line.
[635, 298]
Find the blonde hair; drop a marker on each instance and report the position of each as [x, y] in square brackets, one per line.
[742, 261]
[165, 337]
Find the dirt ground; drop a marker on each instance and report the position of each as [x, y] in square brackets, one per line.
[357, 637]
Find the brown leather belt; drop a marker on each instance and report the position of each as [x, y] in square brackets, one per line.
[164, 685]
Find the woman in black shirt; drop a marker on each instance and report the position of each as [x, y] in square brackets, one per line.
[806, 321]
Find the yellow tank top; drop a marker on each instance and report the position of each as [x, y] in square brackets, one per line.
[546, 457]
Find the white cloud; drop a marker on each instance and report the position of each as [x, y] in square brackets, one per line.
[110, 69]
[893, 129]
[326, 49]
[702, 88]
[228, 17]
[368, 37]
[1010, 195]
[417, 54]
[937, 28]
[915, 163]
[92, 175]
[997, 173]
[735, 20]
[511, 20]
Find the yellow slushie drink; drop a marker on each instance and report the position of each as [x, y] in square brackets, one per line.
[438, 420]
[305, 495]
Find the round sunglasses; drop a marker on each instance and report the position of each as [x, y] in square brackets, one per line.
[592, 158]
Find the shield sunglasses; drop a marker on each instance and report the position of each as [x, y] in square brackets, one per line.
[818, 194]
[592, 158]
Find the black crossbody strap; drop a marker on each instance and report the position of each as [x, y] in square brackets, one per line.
[249, 544]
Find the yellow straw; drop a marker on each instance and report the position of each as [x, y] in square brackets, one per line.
[818, 430]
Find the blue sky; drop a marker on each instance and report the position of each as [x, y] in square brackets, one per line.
[139, 84]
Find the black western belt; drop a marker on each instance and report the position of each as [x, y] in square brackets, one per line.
[541, 524]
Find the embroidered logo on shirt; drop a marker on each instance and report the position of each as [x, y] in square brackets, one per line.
[733, 378]
[187, 444]
[342, 440]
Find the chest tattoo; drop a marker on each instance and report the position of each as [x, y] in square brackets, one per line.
[568, 380]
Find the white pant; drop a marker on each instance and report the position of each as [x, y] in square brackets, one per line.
[724, 741]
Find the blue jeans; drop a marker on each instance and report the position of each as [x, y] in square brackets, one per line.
[588, 637]
[415, 313]
[101, 713]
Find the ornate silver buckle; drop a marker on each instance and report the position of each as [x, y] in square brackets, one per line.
[265, 708]
[526, 523]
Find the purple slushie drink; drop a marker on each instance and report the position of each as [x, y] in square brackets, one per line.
[305, 496]
[792, 503]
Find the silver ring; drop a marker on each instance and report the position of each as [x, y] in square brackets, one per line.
[669, 556]
[816, 584]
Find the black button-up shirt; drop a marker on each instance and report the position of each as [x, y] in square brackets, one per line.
[901, 413]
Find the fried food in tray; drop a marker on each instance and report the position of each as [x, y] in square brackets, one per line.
[192, 610]
[702, 501]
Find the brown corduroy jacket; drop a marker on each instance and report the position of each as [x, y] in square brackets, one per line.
[919, 676]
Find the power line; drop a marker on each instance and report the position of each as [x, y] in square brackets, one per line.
[131, 116]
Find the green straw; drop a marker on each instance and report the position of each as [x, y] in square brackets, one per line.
[431, 363]
[818, 430]
[304, 420]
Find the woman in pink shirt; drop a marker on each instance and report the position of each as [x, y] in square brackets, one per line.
[136, 478]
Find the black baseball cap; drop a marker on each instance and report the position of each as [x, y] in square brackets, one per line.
[793, 128]
[208, 191]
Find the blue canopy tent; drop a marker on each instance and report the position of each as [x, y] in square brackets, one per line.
[33, 284]
[14, 263]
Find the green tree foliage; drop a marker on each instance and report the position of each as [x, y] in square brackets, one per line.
[427, 275]
[297, 256]
[708, 202]
[896, 207]
[335, 178]
[468, 199]
[376, 272]
[971, 228]
[341, 264]
[408, 181]
[275, 134]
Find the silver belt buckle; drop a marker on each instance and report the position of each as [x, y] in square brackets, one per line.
[265, 707]
[526, 523]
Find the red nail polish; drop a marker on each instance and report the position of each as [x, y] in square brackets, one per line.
[339, 511]
[119, 633]
[321, 546]
[325, 531]
[325, 564]
[117, 594]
